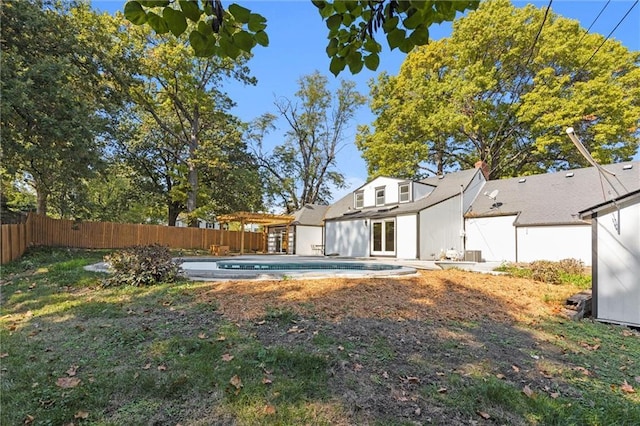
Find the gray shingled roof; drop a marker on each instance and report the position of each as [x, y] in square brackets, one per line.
[554, 198]
[310, 214]
[446, 187]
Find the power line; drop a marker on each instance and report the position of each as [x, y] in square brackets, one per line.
[535, 40]
[612, 31]
[594, 21]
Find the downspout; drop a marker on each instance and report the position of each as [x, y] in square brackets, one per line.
[462, 230]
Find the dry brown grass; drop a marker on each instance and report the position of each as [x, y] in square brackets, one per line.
[431, 295]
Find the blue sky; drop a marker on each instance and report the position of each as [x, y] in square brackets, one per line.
[297, 41]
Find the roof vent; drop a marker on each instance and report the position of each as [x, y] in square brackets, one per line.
[523, 180]
[627, 167]
[570, 174]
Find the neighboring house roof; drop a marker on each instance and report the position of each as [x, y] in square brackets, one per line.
[607, 206]
[554, 198]
[310, 215]
[446, 187]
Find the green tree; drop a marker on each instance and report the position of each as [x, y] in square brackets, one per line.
[502, 89]
[56, 95]
[183, 118]
[302, 169]
[352, 25]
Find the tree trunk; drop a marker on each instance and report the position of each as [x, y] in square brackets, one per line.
[174, 211]
[193, 172]
[42, 198]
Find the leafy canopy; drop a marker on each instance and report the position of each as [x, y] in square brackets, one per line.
[503, 89]
[352, 26]
[217, 32]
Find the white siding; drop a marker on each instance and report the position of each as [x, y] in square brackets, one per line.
[440, 227]
[306, 237]
[347, 238]
[421, 190]
[618, 267]
[495, 237]
[390, 192]
[407, 237]
[554, 243]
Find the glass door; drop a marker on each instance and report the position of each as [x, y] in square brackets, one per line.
[383, 237]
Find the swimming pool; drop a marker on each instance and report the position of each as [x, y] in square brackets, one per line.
[278, 267]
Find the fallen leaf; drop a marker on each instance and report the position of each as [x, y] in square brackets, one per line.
[269, 410]
[554, 395]
[227, 357]
[236, 382]
[583, 371]
[442, 390]
[417, 411]
[527, 391]
[202, 336]
[72, 370]
[500, 376]
[221, 339]
[385, 374]
[266, 381]
[261, 322]
[515, 368]
[627, 333]
[626, 387]
[412, 379]
[68, 382]
[341, 348]
[484, 415]
[357, 367]
[162, 367]
[295, 329]
[4, 355]
[146, 366]
[81, 415]
[28, 420]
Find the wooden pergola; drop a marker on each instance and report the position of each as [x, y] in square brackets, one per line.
[265, 219]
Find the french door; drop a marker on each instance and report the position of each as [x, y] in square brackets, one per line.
[383, 237]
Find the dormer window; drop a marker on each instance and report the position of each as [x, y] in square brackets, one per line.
[359, 199]
[404, 193]
[380, 196]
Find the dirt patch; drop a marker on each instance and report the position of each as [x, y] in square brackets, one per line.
[432, 295]
[398, 344]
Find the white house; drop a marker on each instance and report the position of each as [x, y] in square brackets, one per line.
[537, 217]
[402, 219]
[615, 229]
[519, 219]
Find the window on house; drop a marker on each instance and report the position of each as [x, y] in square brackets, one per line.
[379, 196]
[359, 200]
[405, 195]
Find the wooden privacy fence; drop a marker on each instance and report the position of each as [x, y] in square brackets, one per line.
[14, 240]
[45, 231]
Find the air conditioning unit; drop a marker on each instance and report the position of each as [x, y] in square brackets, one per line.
[473, 255]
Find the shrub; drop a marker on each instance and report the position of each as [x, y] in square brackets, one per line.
[572, 266]
[546, 271]
[142, 265]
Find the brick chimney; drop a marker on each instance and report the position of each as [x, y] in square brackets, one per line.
[482, 165]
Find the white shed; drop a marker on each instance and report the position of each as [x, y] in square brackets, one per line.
[615, 228]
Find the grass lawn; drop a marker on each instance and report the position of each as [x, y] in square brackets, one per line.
[443, 347]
